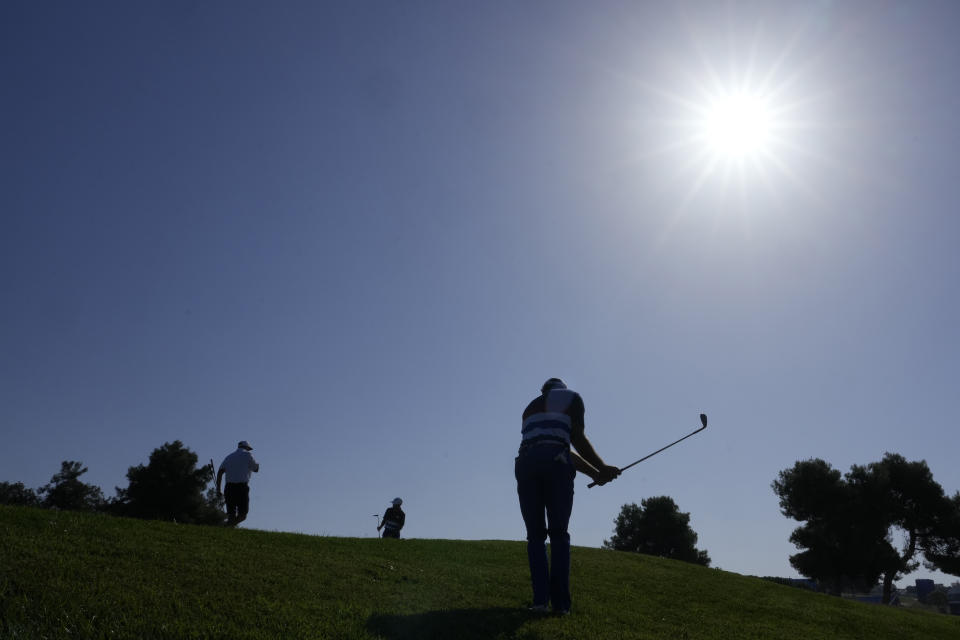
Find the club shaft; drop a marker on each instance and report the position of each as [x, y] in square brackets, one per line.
[622, 469]
[662, 449]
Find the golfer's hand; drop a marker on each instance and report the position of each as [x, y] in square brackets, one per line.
[606, 473]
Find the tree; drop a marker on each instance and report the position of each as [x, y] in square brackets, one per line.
[170, 487]
[658, 528]
[67, 492]
[904, 498]
[836, 537]
[851, 522]
[942, 549]
[15, 493]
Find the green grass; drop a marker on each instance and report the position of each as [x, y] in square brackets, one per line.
[70, 575]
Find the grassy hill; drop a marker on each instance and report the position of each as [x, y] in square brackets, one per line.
[70, 575]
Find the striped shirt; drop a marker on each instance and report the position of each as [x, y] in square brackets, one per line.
[551, 417]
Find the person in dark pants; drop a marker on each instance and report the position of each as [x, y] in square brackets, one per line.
[393, 520]
[545, 468]
[238, 466]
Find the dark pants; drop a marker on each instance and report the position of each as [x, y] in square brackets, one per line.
[391, 533]
[237, 497]
[545, 485]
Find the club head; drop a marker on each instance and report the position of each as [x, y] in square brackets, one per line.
[703, 420]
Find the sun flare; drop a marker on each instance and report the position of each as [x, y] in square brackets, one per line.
[737, 125]
[735, 118]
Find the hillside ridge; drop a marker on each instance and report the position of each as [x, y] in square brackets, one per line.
[75, 575]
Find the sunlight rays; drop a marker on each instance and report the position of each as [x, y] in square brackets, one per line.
[732, 119]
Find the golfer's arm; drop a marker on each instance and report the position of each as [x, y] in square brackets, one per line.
[219, 478]
[583, 466]
[579, 440]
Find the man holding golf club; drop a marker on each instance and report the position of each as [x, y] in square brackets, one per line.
[393, 520]
[545, 468]
[238, 466]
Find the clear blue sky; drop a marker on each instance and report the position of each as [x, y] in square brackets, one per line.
[360, 235]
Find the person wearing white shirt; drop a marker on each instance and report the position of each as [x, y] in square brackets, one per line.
[238, 466]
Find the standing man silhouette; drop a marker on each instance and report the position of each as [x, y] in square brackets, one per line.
[238, 466]
[545, 467]
[393, 520]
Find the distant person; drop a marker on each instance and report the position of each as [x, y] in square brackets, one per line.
[393, 519]
[545, 468]
[237, 467]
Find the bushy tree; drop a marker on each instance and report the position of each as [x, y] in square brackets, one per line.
[15, 493]
[836, 538]
[942, 549]
[905, 498]
[170, 487]
[657, 527]
[67, 492]
[850, 522]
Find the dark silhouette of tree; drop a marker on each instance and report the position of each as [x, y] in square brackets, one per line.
[657, 528]
[836, 537]
[170, 487]
[67, 492]
[905, 499]
[851, 523]
[942, 549]
[15, 493]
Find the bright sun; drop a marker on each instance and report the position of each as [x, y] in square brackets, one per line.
[737, 125]
[732, 117]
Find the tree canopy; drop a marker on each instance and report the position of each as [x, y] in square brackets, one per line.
[657, 527]
[67, 492]
[170, 487]
[852, 523]
[837, 539]
[942, 548]
[15, 493]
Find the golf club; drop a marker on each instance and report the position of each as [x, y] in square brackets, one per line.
[377, 516]
[703, 421]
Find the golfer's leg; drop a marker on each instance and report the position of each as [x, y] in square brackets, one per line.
[243, 503]
[230, 498]
[559, 506]
[530, 493]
